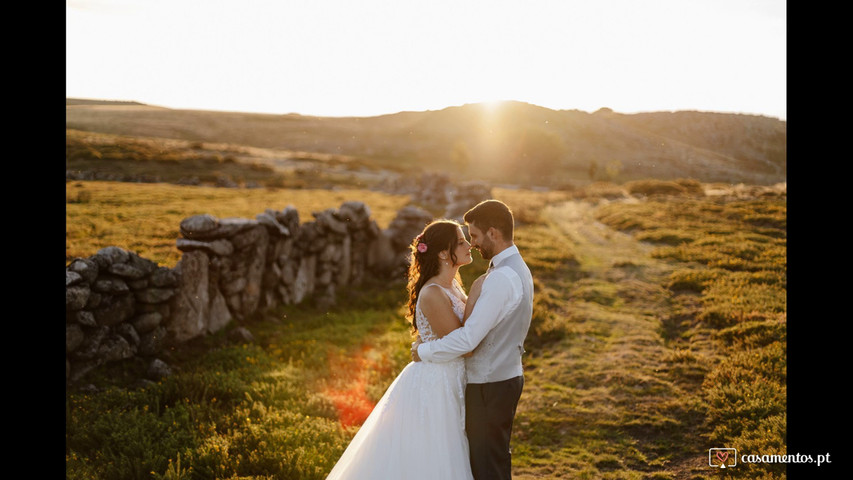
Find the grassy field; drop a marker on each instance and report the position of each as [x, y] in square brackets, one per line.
[659, 332]
[145, 218]
[656, 351]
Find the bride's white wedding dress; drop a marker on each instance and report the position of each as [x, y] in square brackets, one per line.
[417, 429]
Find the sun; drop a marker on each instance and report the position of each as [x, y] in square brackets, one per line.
[491, 106]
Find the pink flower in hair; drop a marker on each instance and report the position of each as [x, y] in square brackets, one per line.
[422, 247]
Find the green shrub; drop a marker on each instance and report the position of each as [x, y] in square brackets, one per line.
[666, 236]
[691, 186]
[692, 280]
[755, 333]
[117, 435]
[732, 300]
[739, 401]
[654, 187]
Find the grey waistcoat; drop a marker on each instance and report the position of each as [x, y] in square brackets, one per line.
[498, 356]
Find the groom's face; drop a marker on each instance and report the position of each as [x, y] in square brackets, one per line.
[481, 242]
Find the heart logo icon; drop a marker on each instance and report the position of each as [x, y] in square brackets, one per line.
[722, 456]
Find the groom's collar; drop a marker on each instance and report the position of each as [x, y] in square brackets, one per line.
[507, 252]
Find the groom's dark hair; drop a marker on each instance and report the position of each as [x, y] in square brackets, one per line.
[491, 213]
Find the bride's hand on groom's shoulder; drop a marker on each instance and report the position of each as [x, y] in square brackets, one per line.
[477, 286]
[473, 295]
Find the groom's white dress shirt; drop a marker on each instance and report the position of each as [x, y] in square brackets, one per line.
[496, 329]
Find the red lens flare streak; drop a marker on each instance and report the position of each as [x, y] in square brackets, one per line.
[351, 374]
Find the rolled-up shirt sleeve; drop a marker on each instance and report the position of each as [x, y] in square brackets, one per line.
[498, 297]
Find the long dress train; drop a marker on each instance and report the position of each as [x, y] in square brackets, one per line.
[417, 429]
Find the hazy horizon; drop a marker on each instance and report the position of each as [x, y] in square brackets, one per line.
[336, 58]
[122, 100]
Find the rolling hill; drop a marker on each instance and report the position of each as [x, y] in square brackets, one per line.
[510, 142]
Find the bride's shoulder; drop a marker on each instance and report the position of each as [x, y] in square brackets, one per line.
[427, 292]
[433, 293]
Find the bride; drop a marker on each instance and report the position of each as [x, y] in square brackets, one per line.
[417, 429]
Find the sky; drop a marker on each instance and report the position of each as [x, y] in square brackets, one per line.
[374, 57]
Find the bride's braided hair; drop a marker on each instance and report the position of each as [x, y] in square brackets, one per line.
[437, 236]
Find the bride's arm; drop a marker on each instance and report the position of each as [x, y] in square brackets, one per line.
[473, 295]
[438, 311]
[501, 291]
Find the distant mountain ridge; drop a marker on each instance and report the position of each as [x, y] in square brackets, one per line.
[509, 142]
[89, 101]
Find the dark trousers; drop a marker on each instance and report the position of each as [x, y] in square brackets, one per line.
[489, 410]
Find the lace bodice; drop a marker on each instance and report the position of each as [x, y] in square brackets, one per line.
[424, 328]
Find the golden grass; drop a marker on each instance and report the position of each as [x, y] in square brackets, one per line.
[145, 217]
[624, 378]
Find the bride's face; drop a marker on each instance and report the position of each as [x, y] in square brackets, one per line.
[462, 250]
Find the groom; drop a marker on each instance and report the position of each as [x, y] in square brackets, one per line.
[495, 332]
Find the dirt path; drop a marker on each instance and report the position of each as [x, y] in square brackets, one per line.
[615, 392]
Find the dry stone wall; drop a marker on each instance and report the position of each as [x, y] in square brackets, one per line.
[117, 304]
[120, 305]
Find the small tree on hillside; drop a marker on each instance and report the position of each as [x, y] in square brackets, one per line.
[593, 169]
